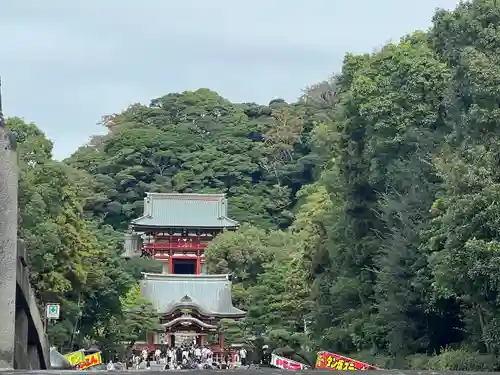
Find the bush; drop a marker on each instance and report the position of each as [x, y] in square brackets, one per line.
[449, 360]
[377, 360]
[418, 362]
[463, 360]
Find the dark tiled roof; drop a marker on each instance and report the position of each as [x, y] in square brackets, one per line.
[211, 294]
[185, 210]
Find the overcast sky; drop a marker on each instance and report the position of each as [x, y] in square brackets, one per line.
[67, 63]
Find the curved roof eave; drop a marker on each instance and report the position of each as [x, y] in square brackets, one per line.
[235, 312]
[190, 319]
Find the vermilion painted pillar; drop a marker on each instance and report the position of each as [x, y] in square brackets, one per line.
[198, 267]
[151, 340]
[170, 264]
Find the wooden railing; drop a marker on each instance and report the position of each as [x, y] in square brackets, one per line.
[175, 245]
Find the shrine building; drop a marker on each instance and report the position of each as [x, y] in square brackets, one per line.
[175, 230]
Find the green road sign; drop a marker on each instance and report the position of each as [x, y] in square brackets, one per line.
[52, 310]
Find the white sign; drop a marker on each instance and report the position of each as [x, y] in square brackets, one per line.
[52, 310]
[286, 364]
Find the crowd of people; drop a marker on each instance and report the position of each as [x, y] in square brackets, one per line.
[183, 357]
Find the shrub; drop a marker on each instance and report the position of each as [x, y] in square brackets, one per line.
[463, 360]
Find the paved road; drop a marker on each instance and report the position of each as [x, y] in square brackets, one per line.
[262, 371]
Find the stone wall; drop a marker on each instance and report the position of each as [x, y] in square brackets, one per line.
[8, 248]
[23, 344]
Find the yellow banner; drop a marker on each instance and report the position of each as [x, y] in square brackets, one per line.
[75, 358]
[91, 360]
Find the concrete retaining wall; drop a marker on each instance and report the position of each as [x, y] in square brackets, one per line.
[23, 344]
[8, 248]
[266, 371]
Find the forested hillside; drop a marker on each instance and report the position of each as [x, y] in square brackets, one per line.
[370, 206]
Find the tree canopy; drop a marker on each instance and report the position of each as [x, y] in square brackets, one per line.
[369, 206]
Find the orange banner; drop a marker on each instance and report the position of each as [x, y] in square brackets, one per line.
[337, 362]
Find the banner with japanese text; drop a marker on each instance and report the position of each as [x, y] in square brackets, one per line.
[91, 360]
[75, 358]
[337, 362]
[286, 364]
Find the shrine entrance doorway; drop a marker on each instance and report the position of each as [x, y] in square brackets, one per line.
[184, 266]
[184, 338]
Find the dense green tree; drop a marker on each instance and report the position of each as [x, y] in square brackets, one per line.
[73, 259]
[198, 142]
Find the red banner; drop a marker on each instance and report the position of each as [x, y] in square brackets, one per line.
[337, 362]
[285, 363]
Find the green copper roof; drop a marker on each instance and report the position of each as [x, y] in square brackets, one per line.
[211, 294]
[185, 210]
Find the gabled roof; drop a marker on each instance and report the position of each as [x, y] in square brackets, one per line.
[209, 294]
[184, 211]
